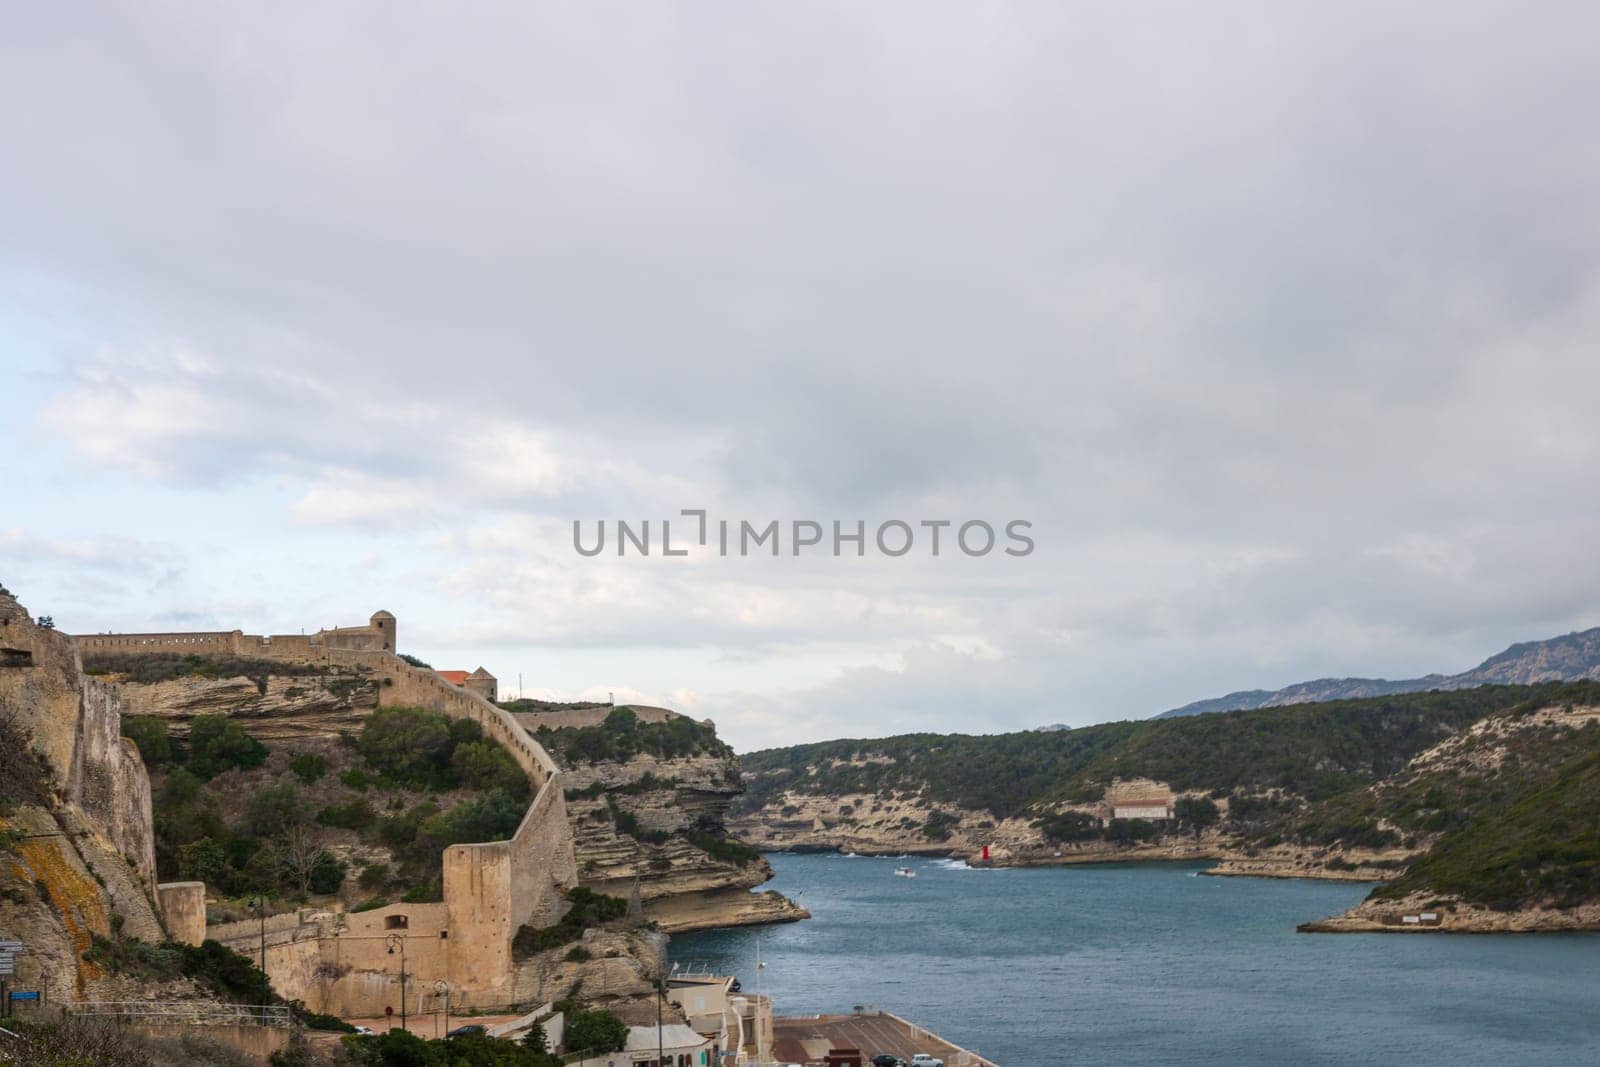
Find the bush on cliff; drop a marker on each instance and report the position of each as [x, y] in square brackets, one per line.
[622, 736]
[149, 735]
[218, 743]
[723, 848]
[397, 1048]
[429, 750]
[587, 909]
[596, 1031]
[149, 668]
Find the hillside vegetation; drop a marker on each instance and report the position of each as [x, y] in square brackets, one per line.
[1312, 750]
[295, 820]
[1489, 795]
[623, 735]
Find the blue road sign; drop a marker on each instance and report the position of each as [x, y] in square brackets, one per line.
[30, 995]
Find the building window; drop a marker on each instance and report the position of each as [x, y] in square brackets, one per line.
[395, 922]
[444, 935]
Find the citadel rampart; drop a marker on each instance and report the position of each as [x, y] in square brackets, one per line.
[491, 889]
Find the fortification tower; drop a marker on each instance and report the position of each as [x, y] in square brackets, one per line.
[484, 684]
[384, 623]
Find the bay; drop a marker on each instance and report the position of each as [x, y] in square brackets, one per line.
[1155, 964]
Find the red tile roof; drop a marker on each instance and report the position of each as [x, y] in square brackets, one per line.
[454, 677]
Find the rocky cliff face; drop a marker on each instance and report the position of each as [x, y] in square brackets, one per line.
[659, 824]
[274, 703]
[77, 852]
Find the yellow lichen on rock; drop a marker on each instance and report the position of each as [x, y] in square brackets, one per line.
[76, 897]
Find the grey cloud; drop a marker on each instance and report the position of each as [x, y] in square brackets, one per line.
[1316, 283]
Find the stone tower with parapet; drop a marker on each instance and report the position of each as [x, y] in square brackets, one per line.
[384, 624]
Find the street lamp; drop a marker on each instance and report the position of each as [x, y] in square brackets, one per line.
[661, 995]
[397, 941]
[260, 904]
[442, 989]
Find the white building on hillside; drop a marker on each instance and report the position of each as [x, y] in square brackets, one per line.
[676, 1044]
[1151, 809]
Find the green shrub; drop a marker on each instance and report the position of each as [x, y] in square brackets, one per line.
[373, 876]
[1125, 831]
[202, 861]
[327, 874]
[491, 817]
[725, 849]
[427, 893]
[411, 746]
[1196, 813]
[149, 735]
[628, 823]
[595, 1031]
[217, 744]
[1069, 827]
[622, 736]
[485, 765]
[939, 826]
[353, 814]
[308, 767]
[588, 909]
[274, 809]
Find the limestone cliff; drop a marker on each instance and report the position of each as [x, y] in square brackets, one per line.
[77, 853]
[656, 820]
[274, 701]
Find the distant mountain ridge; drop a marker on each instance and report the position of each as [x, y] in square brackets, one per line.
[1569, 658]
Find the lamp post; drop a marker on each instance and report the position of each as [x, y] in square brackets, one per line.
[661, 1047]
[397, 941]
[260, 904]
[442, 989]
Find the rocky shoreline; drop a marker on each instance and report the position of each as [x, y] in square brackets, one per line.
[1426, 914]
[723, 908]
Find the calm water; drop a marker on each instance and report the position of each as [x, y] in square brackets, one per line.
[1149, 964]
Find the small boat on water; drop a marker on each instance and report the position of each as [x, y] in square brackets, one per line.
[904, 872]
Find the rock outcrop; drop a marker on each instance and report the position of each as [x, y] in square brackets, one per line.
[275, 703]
[77, 851]
[658, 825]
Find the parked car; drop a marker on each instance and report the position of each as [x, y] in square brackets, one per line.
[363, 1031]
[922, 1059]
[883, 1059]
[475, 1028]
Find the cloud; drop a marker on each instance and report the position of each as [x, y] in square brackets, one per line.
[1278, 324]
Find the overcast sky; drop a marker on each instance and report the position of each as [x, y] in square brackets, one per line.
[1277, 321]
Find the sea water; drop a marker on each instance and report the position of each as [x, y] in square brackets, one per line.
[1153, 963]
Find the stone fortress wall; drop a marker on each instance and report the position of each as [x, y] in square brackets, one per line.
[342, 963]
